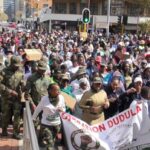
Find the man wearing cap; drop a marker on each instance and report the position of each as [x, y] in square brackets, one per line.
[11, 87]
[37, 84]
[93, 102]
[65, 86]
[81, 73]
[131, 94]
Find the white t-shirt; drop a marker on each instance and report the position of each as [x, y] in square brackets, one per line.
[75, 85]
[73, 70]
[78, 95]
[50, 114]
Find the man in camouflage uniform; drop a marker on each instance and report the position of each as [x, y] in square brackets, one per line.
[37, 85]
[2, 66]
[50, 126]
[11, 85]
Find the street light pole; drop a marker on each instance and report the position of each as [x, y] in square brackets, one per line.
[108, 17]
[89, 4]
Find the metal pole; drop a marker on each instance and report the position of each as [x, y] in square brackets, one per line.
[89, 4]
[50, 26]
[108, 17]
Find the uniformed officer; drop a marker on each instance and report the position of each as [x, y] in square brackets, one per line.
[37, 85]
[11, 86]
[93, 102]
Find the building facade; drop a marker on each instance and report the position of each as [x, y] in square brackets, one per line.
[19, 10]
[98, 7]
[9, 9]
[33, 7]
[1, 6]
[70, 12]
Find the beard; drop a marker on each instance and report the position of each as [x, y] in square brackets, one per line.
[53, 100]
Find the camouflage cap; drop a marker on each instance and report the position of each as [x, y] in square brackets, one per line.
[65, 77]
[15, 61]
[42, 65]
[97, 80]
[81, 71]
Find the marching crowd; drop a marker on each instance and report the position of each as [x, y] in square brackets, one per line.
[103, 75]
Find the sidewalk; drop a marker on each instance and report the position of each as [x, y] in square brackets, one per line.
[7, 143]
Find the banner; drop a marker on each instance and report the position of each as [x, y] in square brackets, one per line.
[127, 130]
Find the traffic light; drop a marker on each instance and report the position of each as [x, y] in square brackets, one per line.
[119, 20]
[86, 15]
[125, 19]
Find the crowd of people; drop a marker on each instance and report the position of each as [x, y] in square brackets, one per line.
[104, 75]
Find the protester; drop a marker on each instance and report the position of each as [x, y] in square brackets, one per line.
[113, 92]
[83, 87]
[51, 105]
[93, 103]
[125, 57]
[134, 92]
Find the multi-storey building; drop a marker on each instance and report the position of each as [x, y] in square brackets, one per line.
[19, 9]
[70, 12]
[33, 7]
[9, 8]
[1, 6]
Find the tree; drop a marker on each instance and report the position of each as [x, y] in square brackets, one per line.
[3, 16]
[145, 26]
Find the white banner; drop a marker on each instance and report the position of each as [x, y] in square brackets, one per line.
[127, 130]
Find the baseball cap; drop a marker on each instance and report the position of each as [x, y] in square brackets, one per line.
[138, 79]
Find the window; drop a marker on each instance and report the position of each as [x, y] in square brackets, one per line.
[94, 8]
[116, 7]
[104, 8]
[134, 10]
[82, 6]
[73, 8]
[60, 8]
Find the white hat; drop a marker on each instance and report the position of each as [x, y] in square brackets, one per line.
[83, 80]
[138, 79]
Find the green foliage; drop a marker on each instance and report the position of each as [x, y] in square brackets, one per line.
[145, 26]
[3, 16]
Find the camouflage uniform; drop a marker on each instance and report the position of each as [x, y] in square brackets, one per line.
[37, 84]
[11, 80]
[48, 135]
[2, 66]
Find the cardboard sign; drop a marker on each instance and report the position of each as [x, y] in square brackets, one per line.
[70, 101]
[83, 35]
[33, 54]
